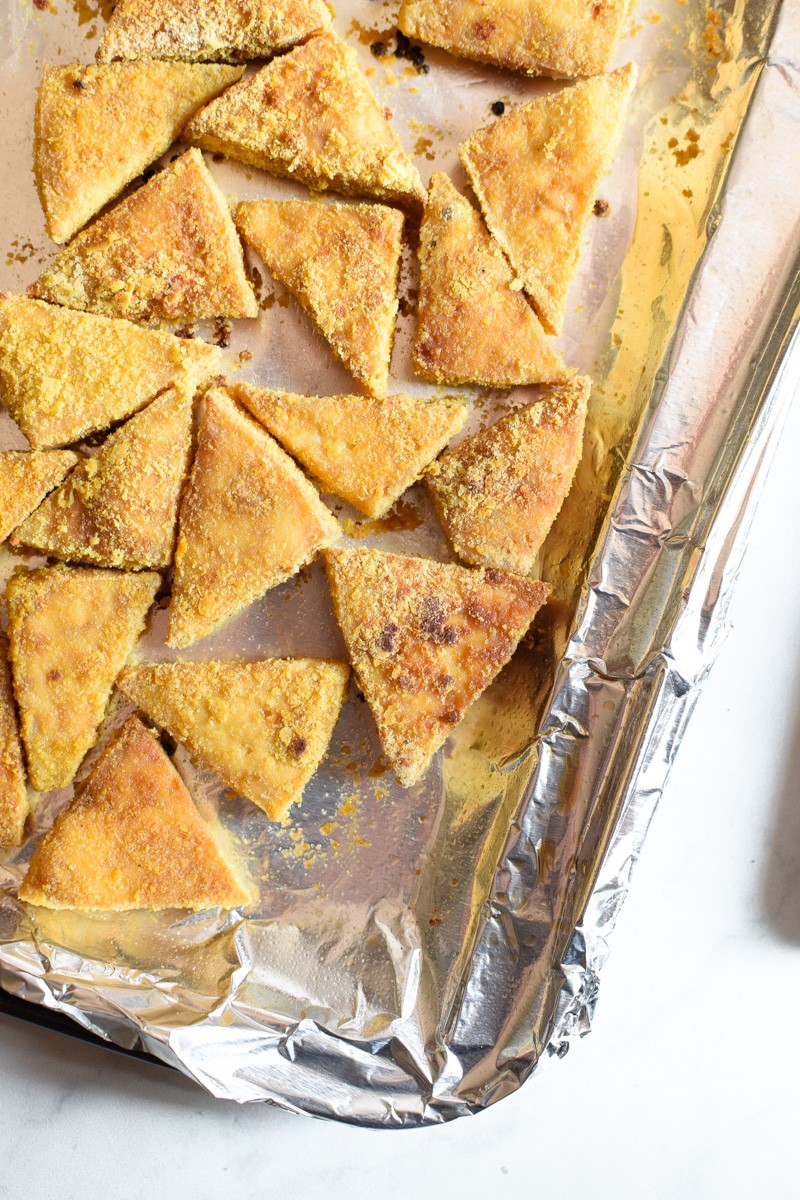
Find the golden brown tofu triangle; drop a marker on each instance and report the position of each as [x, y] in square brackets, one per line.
[131, 839]
[263, 727]
[14, 805]
[425, 639]
[98, 127]
[169, 252]
[26, 476]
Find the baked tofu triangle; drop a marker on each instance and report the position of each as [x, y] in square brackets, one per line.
[536, 172]
[263, 727]
[71, 630]
[564, 38]
[364, 450]
[14, 805]
[250, 519]
[119, 507]
[66, 374]
[26, 476]
[425, 639]
[169, 252]
[131, 838]
[311, 116]
[209, 30]
[473, 326]
[341, 262]
[498, 492]
[97, 128]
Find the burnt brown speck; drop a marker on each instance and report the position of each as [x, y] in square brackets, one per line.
[298, 746]
[387, 637]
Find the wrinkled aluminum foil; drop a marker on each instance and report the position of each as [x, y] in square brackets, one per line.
[414, 955]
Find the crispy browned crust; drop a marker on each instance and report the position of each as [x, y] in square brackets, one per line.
[65, 374]
[536, 172]
[169, 252]
[365, 450]
[26, 476]
[14, 805]
[425, 639]
[310, 115]
[564, 38]
[209, 30]
[341, 262]
[97, 128]
[264, 727]
[70, 631]
[473, 325]
[119, 507]
[250, 519]
[498, 493]
[131, 838]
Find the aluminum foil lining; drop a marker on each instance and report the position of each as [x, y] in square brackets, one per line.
[414, 955]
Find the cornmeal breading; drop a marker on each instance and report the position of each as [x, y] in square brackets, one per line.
[367, 451]
[310, 115]
[131, 838]
[425, 640]
[209, 30]
[250, 519]
[498, 493]
[472, 325]
[264, 727]
[97, 128]
[65, 374]
[341, 262]
[14, 805]
[536, 172]
[70, 630]
[564, 38]
[119, 507]
[169, 252]
[26, 476]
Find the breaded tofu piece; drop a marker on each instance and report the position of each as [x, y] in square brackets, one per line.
[364, 450]
[209, 30]
[425, 639]
[131, 838]
[536, 172]
[342, 263]
[263, 727]
[564, 38]
[119, 507]
[498, 493]
[473, 325]
[310, 115]
[249, 520]
[71, 630]
[169, 252]
[97, 128]
[66, 374]
[26, 476]
[14, 806]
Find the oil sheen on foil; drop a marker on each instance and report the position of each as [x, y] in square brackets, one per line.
[414, 954]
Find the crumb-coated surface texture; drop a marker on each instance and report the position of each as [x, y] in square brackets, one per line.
[536, 172]
[473, 325]
[498, 493]
[65, 374]
[26, 476]
[341, 262]
[14, 805]
[71, 630]
[425, 639]
[168, 252]
[264, 727]
[366, 451]
[119, 507]
[249, 520]
[131, 838]
[98, 127]
[311, 115]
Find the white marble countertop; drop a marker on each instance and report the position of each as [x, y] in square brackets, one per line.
[687, 1087]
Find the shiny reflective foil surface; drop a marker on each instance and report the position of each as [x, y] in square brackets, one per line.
[414, 954]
